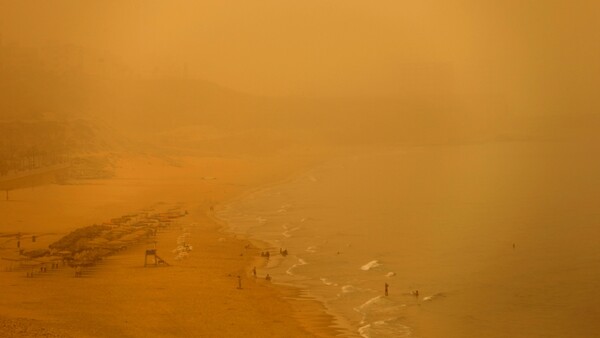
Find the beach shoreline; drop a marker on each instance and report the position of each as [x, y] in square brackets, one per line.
[194, 297]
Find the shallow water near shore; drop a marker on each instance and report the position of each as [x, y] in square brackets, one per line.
[499, 239]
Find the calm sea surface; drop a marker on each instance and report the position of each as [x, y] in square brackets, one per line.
[499, 239]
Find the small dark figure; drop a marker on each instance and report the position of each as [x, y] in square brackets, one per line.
[386, 288]
[416, 293]
[239, 282]
[514, 246]
[268, 277]
[254, 272]
[18, 244]
[33, 238]
[267, 254]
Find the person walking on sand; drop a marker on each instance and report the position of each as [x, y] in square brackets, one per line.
[386, 288]
[254, 272]
[239, 282]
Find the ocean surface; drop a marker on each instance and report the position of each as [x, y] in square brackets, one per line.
[499, 239]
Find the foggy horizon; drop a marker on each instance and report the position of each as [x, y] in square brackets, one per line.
[333, 48]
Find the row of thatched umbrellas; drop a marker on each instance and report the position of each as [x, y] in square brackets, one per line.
[86, 246]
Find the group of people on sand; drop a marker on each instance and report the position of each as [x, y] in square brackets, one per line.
[267, 277]
[267, 254]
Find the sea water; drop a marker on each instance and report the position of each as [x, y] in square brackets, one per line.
[498, 239]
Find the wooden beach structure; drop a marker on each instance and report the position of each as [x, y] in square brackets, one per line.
[157, 260]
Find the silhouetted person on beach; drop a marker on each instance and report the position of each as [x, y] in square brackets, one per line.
[268, 277]
[18, 244]
[386, 288]
[254, 272]
[514, 246]
[239, 282]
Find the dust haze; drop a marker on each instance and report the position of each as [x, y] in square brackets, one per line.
[129, 127]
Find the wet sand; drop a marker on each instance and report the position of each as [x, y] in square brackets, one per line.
[196, 296]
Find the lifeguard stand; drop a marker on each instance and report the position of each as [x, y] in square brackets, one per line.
[157, 259]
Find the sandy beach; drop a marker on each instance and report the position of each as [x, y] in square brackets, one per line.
[197, 296]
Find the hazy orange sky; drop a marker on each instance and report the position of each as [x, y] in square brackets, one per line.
[523, 53]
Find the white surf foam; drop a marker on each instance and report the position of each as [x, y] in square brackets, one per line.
[291, 269]
[434, 296]
[327, 282]
[370, 265]
[349, 289]
[384, 328]
[288, 233]
[370, 303]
